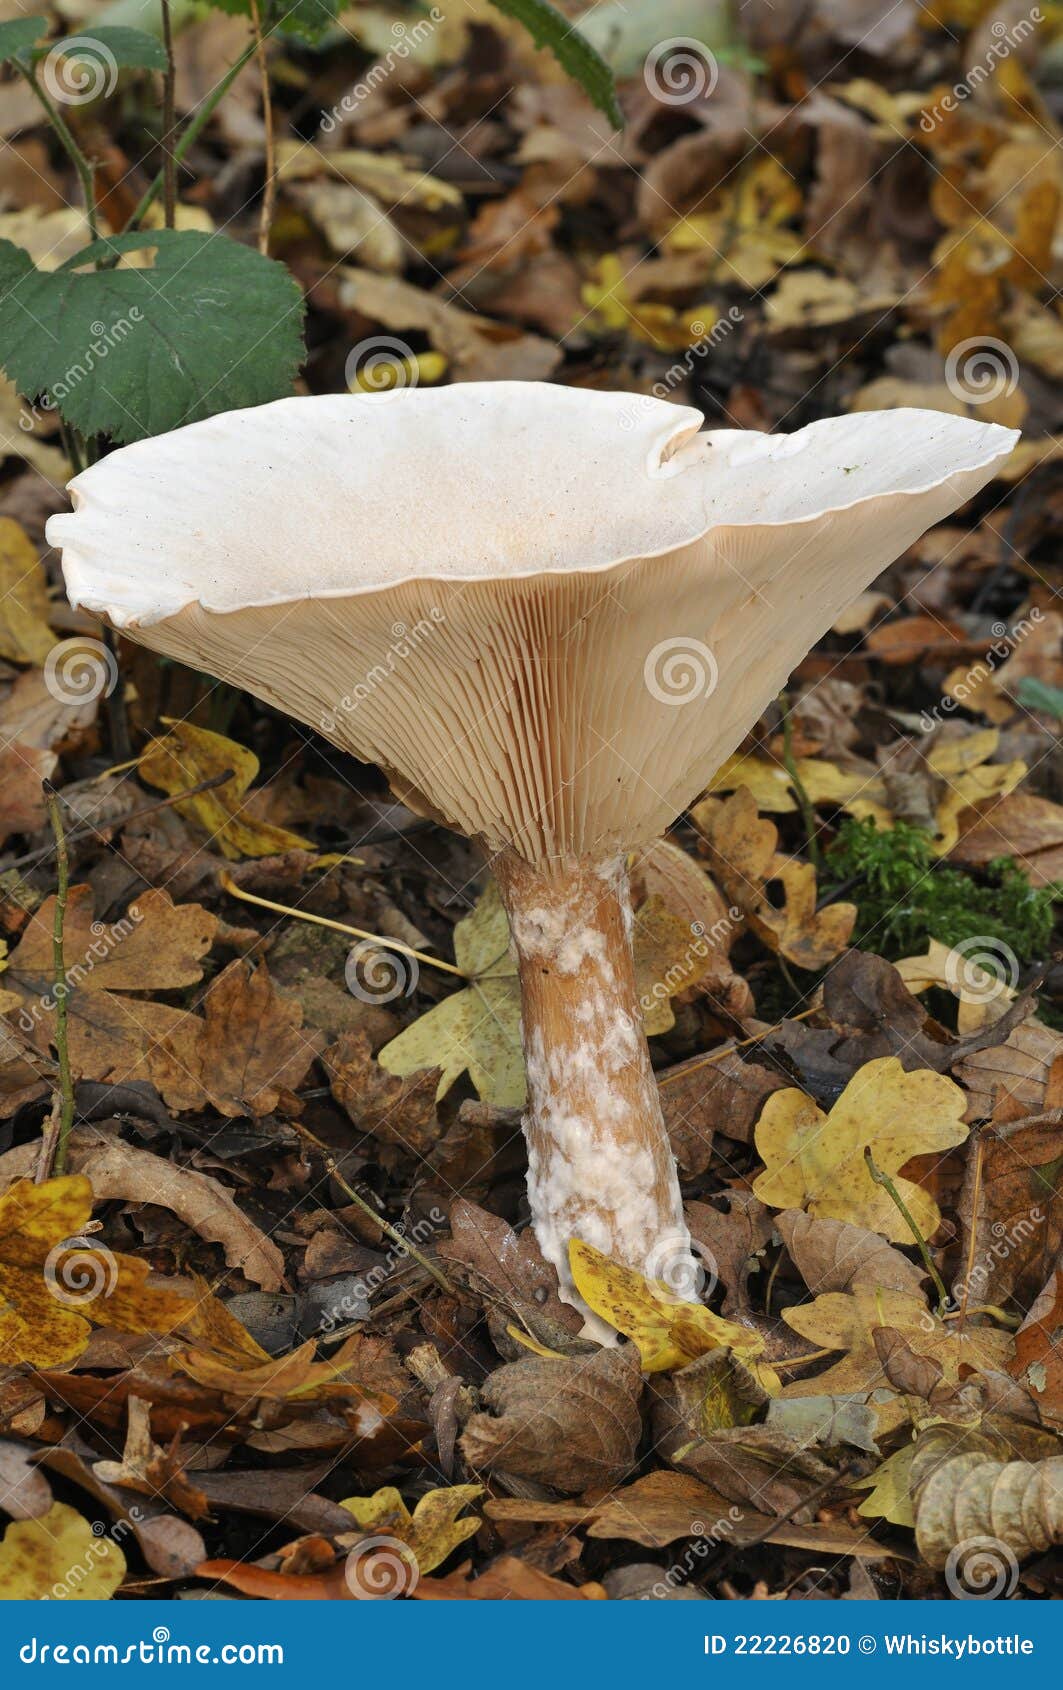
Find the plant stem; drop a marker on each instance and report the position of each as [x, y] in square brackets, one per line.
[338, 926]
[808, 814]
[377, 1219]
[62, 1046]
[192, 130]
[169, 169]
[884, 1180]
[269, 190]
[85, 172]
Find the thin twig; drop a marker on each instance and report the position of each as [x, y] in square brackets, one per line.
[92, 830]
[169, 119]
[681, 1071]
[269, 189]
[367, 1208]
[884, 1180]
[338, 926]
[66, 1084]
[195, 125]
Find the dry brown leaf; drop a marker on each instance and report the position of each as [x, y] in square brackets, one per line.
[847, 1321]
[569, 1423]
[396, 1111]
[507, 1580]
[702, 1097]
[478, 348]
[832, 1255]
[247, 1055]
[156, 946]
[1010, 1213]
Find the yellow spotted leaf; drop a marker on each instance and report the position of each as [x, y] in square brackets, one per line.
[816, 1162]
[55, 1283]
[667, 1332]
[432, 1532]
[58, 1558]
[184, 757]
[891, 1490]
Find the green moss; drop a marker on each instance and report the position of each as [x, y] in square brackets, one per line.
[905, 896]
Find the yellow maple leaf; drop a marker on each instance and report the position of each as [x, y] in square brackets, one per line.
[58, 1558]
[846, 1320]
[432, 1532]
[185, 756]
[666, 1331]
[816, 1162]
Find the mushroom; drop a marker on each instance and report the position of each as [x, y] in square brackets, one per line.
[548, 615]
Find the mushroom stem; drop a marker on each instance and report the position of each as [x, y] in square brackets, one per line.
[600, 1167]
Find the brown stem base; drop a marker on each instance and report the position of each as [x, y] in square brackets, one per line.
[600, 1167]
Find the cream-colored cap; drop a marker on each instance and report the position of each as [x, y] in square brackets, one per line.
[549, 614]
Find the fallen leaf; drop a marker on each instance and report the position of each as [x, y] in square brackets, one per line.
[507, 1580]
[248, 1054]
[155, 947]
[54, 1282]
[186, 755]
[120, 1171]
[847, 1321]
[744, 859]
[833, 1255]
[570, 1423]
[431, 1533]
[25, 636]
[1009, 1211]
[59, 1558]
[666, 1331]
[817, 1163]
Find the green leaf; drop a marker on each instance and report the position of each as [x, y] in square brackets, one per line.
[18, 36]
[213, 326]
[307, 20]
[1040, 695]
[113, 46]
[573, 52]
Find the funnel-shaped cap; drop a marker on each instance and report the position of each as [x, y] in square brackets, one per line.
[548, 614]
